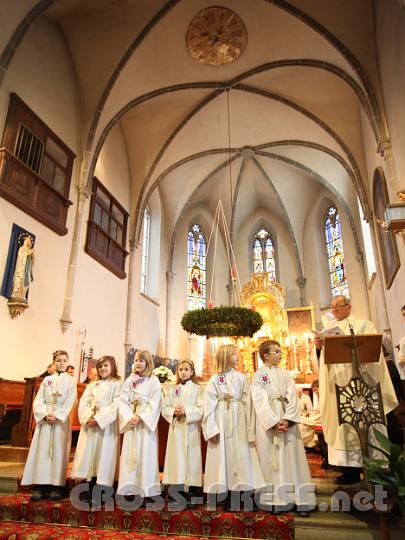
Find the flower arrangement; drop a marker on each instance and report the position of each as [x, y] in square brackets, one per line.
[163, 374]
[222, 321]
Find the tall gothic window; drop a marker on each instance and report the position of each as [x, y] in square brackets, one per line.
[334, 249]
[197, 275]
[264, 254]
[145, 250]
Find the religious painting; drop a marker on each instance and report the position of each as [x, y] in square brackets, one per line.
[386, 239]
[334, 249]
[300, 320]
[197, 279]
[18, 273]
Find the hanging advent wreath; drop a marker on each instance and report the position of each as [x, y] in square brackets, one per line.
[222, 321]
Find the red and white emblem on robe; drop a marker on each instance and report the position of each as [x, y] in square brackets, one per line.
[177, 392]
[265, 379]
[49, 383]
[221, 379]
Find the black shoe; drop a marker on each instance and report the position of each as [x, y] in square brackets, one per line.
[55, 495]
[37, 495]
[347, 479]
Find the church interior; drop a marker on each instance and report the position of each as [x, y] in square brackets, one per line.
[168, 155]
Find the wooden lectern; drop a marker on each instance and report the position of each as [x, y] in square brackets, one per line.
[341, 349]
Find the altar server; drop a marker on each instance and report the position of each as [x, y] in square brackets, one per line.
[281, 451]
[228, 426]
[96, 453]
[183, 409]
[139, 410]
[50, 448]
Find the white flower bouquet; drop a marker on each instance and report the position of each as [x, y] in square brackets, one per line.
[164, 374]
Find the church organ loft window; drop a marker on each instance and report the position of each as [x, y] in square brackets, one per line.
[145, 250]
[335, 254]
[197, 275]
[264, 260]
[35, 167]
[107, 230]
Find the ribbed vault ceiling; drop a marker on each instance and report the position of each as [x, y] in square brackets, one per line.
[295, 103]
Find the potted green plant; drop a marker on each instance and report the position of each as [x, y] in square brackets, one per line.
[389, 472]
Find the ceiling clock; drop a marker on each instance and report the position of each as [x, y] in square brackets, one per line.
[216, 36]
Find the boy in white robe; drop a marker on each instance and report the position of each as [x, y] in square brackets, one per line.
[228, 426]
[139, 411]
[97, 448]
[281, 451]
[183, 409]
[50, 447]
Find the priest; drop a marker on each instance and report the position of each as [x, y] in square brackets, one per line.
[343, 444]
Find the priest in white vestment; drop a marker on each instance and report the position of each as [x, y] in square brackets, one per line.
[281, 451]
[48, 456]
[343, 444]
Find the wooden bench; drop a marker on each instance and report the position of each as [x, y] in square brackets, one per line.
[23, 432]
[11, 402]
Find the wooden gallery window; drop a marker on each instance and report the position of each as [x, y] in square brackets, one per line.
[107, 230]
[35, 167]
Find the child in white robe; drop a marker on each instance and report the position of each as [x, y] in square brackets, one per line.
[281, 451]
[228, 426]
[183, 409]
[96, 452]
[139, 411]
[50, 447]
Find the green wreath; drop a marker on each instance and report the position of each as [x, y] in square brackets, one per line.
[222, 321]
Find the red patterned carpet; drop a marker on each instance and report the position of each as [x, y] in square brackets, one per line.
[315, 462]
[191, 522]
[27, 531]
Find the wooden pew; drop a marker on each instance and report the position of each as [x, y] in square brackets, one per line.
[11, 396]
[11, 402]
[23, 432]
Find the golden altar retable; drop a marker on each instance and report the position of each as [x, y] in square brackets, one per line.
[292, 328]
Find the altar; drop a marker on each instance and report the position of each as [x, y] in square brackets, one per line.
[292, 327]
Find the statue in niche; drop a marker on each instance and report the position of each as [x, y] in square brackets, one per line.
[18, 273]
[23, 274]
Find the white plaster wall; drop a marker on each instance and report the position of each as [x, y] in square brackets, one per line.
[99, 296]
[390, 39]
[41, 73]
[150, 317]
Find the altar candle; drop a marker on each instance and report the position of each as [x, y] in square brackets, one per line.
[210, 304]
[233, 272]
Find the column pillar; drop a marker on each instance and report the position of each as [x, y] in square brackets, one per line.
[83, 193]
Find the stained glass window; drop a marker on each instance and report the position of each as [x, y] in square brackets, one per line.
[264, 260]
[145, 250]
[334, 249]
[197, 278]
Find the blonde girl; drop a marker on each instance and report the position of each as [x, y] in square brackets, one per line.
[228, 425]
[139, 410]
[183, 409]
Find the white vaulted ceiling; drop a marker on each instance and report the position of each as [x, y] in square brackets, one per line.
[296, 99]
